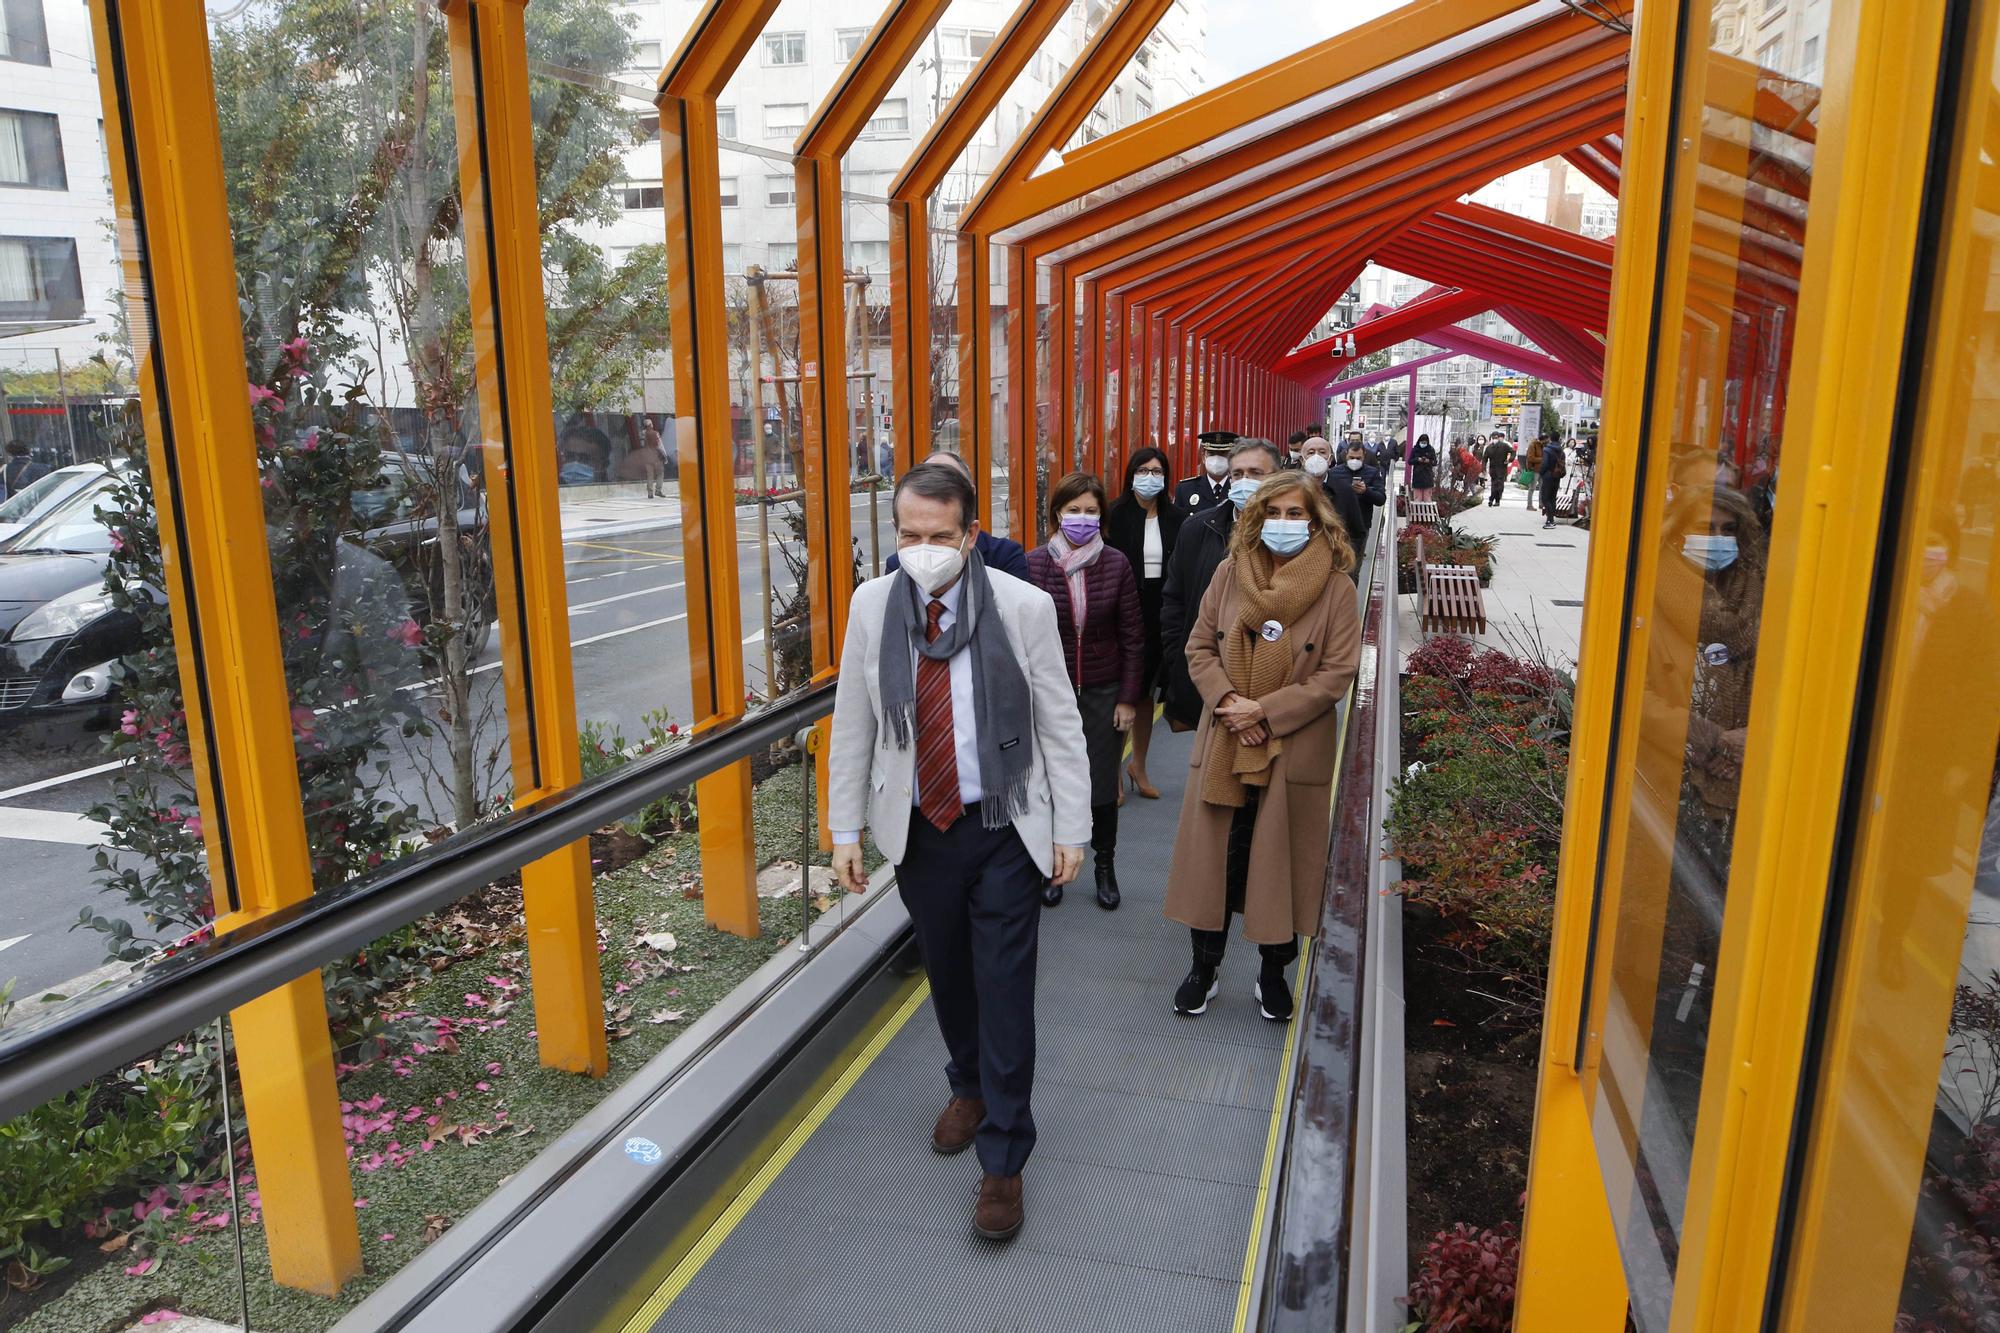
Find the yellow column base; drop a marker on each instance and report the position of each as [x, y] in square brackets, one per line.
[728, 851]
[562, 961]
[291, 1107]
[1572, 1280]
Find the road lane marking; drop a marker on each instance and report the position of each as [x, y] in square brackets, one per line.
[60, 778]
[50, 826]
[624, 550]
[615, 574]
[8, 944]
[623, 597]
[629, 629]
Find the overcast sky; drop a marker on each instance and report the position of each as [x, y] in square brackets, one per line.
[1243, 34]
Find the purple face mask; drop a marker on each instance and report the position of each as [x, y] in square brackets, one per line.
[1080, 529]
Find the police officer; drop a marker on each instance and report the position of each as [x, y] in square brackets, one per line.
[1210, 486]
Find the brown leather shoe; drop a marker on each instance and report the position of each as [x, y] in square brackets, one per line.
[958, 1125]
[997, 1216]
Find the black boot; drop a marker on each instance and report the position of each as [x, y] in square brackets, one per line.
[1107, 881]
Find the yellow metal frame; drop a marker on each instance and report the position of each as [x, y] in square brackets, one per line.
[1867, 192]
[690, 157]
[218, 576]
[501, 220]
[1893, 989]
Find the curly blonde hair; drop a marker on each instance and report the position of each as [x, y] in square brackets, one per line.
[1249, 534]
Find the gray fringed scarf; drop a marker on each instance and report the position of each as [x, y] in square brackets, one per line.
[999, 688]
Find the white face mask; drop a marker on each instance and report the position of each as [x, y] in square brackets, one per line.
[1216, 465]
[1355, 464]
[1316, 465]
[932, 568]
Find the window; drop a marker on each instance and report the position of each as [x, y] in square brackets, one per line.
[732, 258]
[104, 154]
[780, 191]
[784, 48]
[891, 118]
[847, 43]
[783, 255]
[31, 150]
[39, 278]
[728, 184]
[783, 120]
[1144, 105]
[24, 36]
[872, 255]
[725, 122]
[644, 194]
[1809, 55]
[648, 129]
[964, 43]
[1771, 52]
[646, 56]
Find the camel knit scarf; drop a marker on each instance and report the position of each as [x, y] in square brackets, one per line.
[1256, 666]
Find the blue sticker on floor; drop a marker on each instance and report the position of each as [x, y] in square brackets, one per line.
[643, 1151]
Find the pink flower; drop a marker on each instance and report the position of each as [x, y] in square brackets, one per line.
[129, 723]
[388, 1235]
[117, 542]
[474, 1000]
[143, 1267]
[192, 824]
[302, 720]
[161, 1316]
[297, 348]
[259, 395]
[409, 634]
[361, 1203]
[311, 440]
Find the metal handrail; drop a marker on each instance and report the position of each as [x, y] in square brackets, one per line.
[48, 1055]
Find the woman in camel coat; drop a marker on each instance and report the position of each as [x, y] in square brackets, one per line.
[1272, 651]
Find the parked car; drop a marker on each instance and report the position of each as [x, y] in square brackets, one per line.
[60, 636]
[42, 495]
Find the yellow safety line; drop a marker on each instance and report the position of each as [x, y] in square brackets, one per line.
[628, 550]
[1270, 1162]
[704, 1249]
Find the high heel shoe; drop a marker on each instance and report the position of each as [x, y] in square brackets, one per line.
[1145, 789]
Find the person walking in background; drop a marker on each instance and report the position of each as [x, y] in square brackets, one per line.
[1275, 646]
[1364, 479]
[658, 448]
[1211, 487]
[1144, 527]
[1423, 469]
[1204, 544]
[643, 463]
[1499, 457]
[956, 737]
[1554, 466]
[999, 553]
[1104, 646]
[1531, 467]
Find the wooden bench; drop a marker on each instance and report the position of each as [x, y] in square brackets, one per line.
[1448, 597]
[1425, 511]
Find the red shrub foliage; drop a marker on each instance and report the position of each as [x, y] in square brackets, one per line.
[1466, 1282]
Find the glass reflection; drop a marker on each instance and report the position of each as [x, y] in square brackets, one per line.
[1717, 471]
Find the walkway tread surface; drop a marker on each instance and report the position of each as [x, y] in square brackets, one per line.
[1143, 1186]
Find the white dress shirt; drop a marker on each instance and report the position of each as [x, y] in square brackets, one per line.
[964, 717]
[1154, 552]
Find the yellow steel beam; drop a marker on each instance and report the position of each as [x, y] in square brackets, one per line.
[1114, 43]
[501, 218]
[696, 307]
[1875, 123]
[1396, 36]
[200, 444]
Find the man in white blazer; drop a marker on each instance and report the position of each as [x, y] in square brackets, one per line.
[956, 737]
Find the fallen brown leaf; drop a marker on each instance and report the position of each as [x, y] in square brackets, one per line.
[435, 1225]
[667, 1016]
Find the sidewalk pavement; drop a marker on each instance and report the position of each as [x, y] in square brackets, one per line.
[1537, 589]
[611, 511]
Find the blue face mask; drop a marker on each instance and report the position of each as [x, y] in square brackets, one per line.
[1711, 551]
[1242, 489]
[1287, 536]
[1148, 484]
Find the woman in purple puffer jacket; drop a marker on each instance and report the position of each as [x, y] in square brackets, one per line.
[1104, 641]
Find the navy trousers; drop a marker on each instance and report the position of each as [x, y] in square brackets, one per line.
[974, 899]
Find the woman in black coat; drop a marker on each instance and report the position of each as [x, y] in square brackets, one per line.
[1143, 526]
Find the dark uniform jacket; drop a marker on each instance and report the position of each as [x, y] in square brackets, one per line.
[1201, 549]
[1198, 493]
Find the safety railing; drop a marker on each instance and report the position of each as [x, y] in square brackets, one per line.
[48, 1054]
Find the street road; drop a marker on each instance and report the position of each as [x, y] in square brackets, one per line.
[628, 631]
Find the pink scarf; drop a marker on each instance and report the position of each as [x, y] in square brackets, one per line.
[1073, 561]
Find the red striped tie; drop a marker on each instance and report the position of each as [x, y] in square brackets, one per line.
[937, 744]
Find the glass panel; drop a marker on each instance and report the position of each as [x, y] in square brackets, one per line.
[604, 275]
[871, 389]
[1907, 1130]
[1047, 465]
[1717, 448]
[357, 345]
[999, 406]
[765, 406]
[103, 839]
